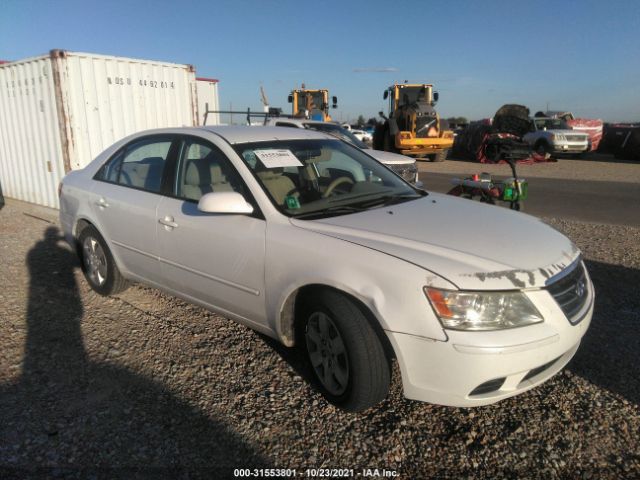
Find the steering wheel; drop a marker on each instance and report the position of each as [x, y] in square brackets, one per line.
[332, 186]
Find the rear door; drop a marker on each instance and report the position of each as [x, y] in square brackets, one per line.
[125, 200]
[217, 259]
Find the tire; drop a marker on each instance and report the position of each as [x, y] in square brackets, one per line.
[440, 156]
[97, 263]
[389, 142]
[542, 148]
[378, 135]
[350, 368]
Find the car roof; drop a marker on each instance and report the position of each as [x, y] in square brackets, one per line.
[245, 134]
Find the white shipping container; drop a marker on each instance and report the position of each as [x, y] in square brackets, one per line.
[207, 89]
[59, 111]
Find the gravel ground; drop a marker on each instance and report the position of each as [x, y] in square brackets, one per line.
[595, 166]
[146, 386]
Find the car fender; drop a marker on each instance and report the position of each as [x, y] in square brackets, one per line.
[391, 288]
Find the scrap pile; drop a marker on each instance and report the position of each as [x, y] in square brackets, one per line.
[498, 139]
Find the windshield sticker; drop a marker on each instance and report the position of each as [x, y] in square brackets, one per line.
[273, 158]
[291, 202]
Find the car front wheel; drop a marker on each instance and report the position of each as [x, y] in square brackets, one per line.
[344, 351]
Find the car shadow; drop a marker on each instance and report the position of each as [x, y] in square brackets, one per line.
[69, 416]
[609, 355]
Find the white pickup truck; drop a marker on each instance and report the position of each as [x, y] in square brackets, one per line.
[552, 135]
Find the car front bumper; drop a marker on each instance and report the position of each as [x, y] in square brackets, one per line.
[480, 368]
[570, 147]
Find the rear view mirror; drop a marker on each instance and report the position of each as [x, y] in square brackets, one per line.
[224, 202]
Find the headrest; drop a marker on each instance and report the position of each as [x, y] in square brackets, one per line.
[216, 174]
[195, 174]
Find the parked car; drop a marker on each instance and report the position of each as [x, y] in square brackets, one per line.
[362, 135]
[402, 165]
[309, 240]
[552, 135]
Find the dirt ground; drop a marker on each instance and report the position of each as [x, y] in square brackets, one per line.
[143, 385]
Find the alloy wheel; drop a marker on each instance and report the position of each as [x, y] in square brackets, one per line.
[95, 261]
[327, 353]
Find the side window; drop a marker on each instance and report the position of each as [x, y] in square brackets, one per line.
[203, 168]
[286, 124]
[110, 170]
[143, 163]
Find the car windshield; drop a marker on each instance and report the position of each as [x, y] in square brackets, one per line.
[337, 131]
[320, 178]
[551, 124]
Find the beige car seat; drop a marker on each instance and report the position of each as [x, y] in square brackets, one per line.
[203, 177]
[277, 184]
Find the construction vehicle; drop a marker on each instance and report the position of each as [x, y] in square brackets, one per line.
[312, 104]
[413, 126]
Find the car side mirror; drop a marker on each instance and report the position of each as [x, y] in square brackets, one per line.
[385, 95]
[418, 184]
[224, 202]
[290, 99]
[335, 102]
[436, 96]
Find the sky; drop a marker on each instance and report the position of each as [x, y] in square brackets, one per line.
[580, 56]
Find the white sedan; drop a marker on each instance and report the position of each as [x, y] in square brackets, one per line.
[307, 239]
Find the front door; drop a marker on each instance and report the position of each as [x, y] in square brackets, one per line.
[217, 259]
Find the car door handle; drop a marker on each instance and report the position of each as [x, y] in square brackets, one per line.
[168, 222]
[102, 203]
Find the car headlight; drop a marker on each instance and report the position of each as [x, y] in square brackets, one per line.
[458, 310]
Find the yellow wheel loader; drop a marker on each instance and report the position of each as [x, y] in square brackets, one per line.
[312, 104]
[413, 126]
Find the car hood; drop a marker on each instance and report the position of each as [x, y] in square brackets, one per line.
[389, 158]
[473, 245]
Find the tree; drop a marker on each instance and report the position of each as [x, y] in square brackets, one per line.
[360, 121]
[372, 121]
[458, 120]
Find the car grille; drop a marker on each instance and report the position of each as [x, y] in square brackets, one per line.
[576, 138]
[571, 292]
[407, 172]
[422, 131]
[488, 387]
[539, 370]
